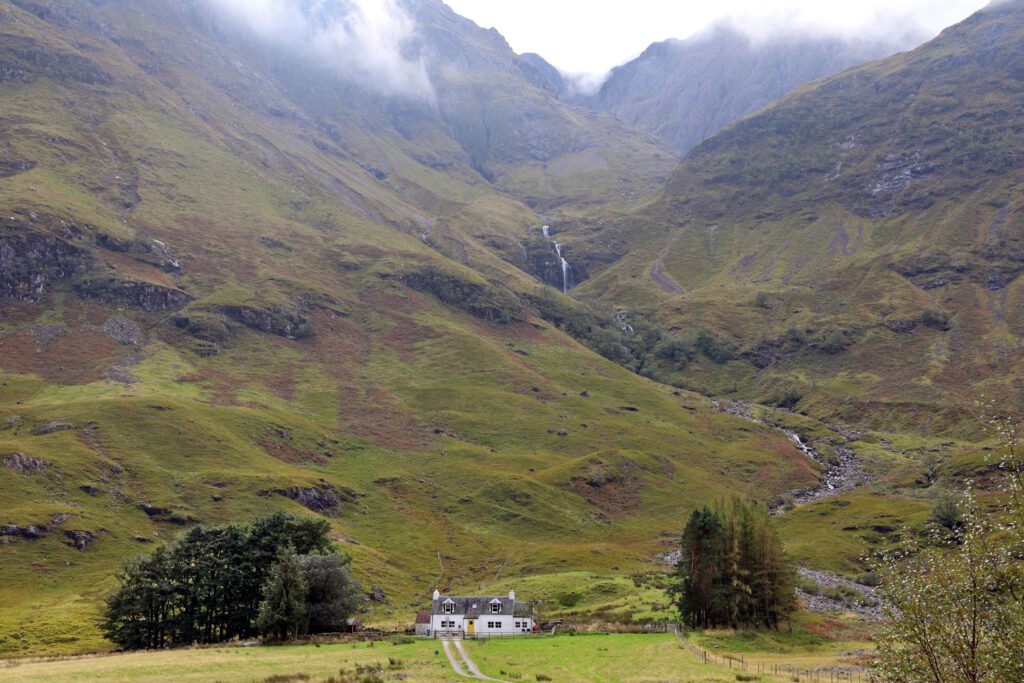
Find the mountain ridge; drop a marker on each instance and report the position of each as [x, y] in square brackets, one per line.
[683, 91]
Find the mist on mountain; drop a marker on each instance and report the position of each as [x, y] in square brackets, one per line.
[368, 42]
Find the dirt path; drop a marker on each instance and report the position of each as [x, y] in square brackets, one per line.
[657, 276]
[457, 657]
[456, 664]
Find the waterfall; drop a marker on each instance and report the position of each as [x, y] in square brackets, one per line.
[566, 283]
[566, 268]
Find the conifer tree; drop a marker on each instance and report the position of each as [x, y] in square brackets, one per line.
[733, 570]
[283, 609]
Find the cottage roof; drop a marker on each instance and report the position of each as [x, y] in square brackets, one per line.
[480, 605]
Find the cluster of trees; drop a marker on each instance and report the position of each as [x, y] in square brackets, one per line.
[733, 570]
[277, 576]
[955, 596]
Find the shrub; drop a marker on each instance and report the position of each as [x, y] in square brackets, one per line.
[796, 335]
[762, 300]
[871, 579]
[936, 318]
[678, 351]
[713, 348]
[833, 340]
[402, 640]
[570, 599]
[947, 513]
[787, 399]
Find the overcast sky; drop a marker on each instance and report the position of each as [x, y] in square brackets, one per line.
[592, 36]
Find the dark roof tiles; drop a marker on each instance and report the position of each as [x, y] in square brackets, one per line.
[475, 606]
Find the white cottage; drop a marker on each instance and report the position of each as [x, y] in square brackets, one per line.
[479, 617]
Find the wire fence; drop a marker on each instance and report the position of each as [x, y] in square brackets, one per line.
[835, 674]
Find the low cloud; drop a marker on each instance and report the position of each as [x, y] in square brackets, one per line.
[365, 41]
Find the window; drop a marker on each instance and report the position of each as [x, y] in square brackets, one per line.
[495, 608]
[449, 608]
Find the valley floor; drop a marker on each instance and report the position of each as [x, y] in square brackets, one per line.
[619, 658]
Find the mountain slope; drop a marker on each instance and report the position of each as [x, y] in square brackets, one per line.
[225, 291]
[684, 91]
[857, 243]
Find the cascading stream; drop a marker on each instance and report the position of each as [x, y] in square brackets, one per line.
[566, 268]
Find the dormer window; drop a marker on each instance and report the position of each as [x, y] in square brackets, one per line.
[495, 607]
[448, 607]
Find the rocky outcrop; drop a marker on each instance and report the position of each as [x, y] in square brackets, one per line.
[146, 296]
[9, 167]
[324, 498]
[61, 425]
[277, 320]
[30, 532]
[990, 267]
[153, 252]
[80, 540]
[123, 330]
[32, 262]
[24, 59]
[932, 270]
[23, 464]
[480, 300]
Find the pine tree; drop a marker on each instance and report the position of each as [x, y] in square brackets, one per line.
[733, 570]
[283, 609]
[207, 586]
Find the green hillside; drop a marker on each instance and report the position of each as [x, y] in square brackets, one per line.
[856, 245]
[851, 255]
[222, 298]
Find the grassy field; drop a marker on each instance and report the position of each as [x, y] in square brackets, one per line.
[617, 658]
[241, 664]
[642, 658]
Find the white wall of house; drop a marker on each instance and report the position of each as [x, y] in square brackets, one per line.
[486, 625]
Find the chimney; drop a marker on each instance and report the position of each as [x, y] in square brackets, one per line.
[512, 595]
[437, 594]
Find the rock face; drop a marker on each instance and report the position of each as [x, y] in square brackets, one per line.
[25, 59]
[133, 294]
[31, 263]
[685, 91]
[483, 301]
[9, 167]
[276, 320]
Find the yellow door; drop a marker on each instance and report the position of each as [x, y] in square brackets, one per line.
[470, 627]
